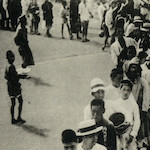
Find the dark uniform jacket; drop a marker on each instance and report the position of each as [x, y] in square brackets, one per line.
[107, 136]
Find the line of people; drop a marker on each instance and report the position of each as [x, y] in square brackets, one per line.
[75, 15]
[118, 118]
[121, 14]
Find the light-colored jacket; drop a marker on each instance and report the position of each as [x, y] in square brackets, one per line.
[84, 12]
[116, 48]
[142, 84]
[101, 9]
[109, 21]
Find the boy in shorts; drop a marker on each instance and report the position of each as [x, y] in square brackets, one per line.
[64, 13]
[14, 88]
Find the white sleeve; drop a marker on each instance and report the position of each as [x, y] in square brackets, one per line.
[130, 28]
[108, 19]
[136, 121]
[80, 8]
[87, 113]
[99, 12]
[146, 75]
[146, 97]
[61, 12]
[132, 42]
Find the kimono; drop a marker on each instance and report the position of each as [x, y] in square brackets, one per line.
[24, 49]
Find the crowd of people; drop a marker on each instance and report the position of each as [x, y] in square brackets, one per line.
[118, 117]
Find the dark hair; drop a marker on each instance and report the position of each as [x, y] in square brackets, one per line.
[9, 54]
[132, 49]
[68, 136]
[127, 83]
[120, 22]
[142, 55]
[115, 72]
[22, 19]
[64, 3]
[98, 102]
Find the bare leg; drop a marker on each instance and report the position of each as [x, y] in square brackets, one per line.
[69, 31]
[62, 31]
[20, 100]
[78, 37]
[86, 30]
[12, 109]
[83, 32]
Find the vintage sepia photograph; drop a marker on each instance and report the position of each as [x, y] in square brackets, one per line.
[74, 74]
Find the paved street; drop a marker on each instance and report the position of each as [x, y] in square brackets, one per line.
[58, 90]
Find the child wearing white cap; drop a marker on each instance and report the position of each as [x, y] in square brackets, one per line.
[97, 91]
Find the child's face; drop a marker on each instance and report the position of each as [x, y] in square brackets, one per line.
[70, 146]
[130, 54]
[11, 59]
[97, 113]
[117, 80]
[125, 92]
[133, 69]
[91, 140]
[99, 94]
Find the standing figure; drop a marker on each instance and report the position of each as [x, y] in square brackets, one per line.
[64, 13]
[85, 13]
[74, 17]
[107, 136]
[140, 92]
[48, 16]
[35, 18]
[14, 88]
[112, 91]
[21, 40]
[127, 139]
[14, 10]
[2, 15]
[101, 10]
[119, 47]
[109, 22]
[5, 16]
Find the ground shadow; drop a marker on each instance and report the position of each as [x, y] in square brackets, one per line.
[34, 130]
[94, 28]
[23, 76]
[93, 35]
[38, 81]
